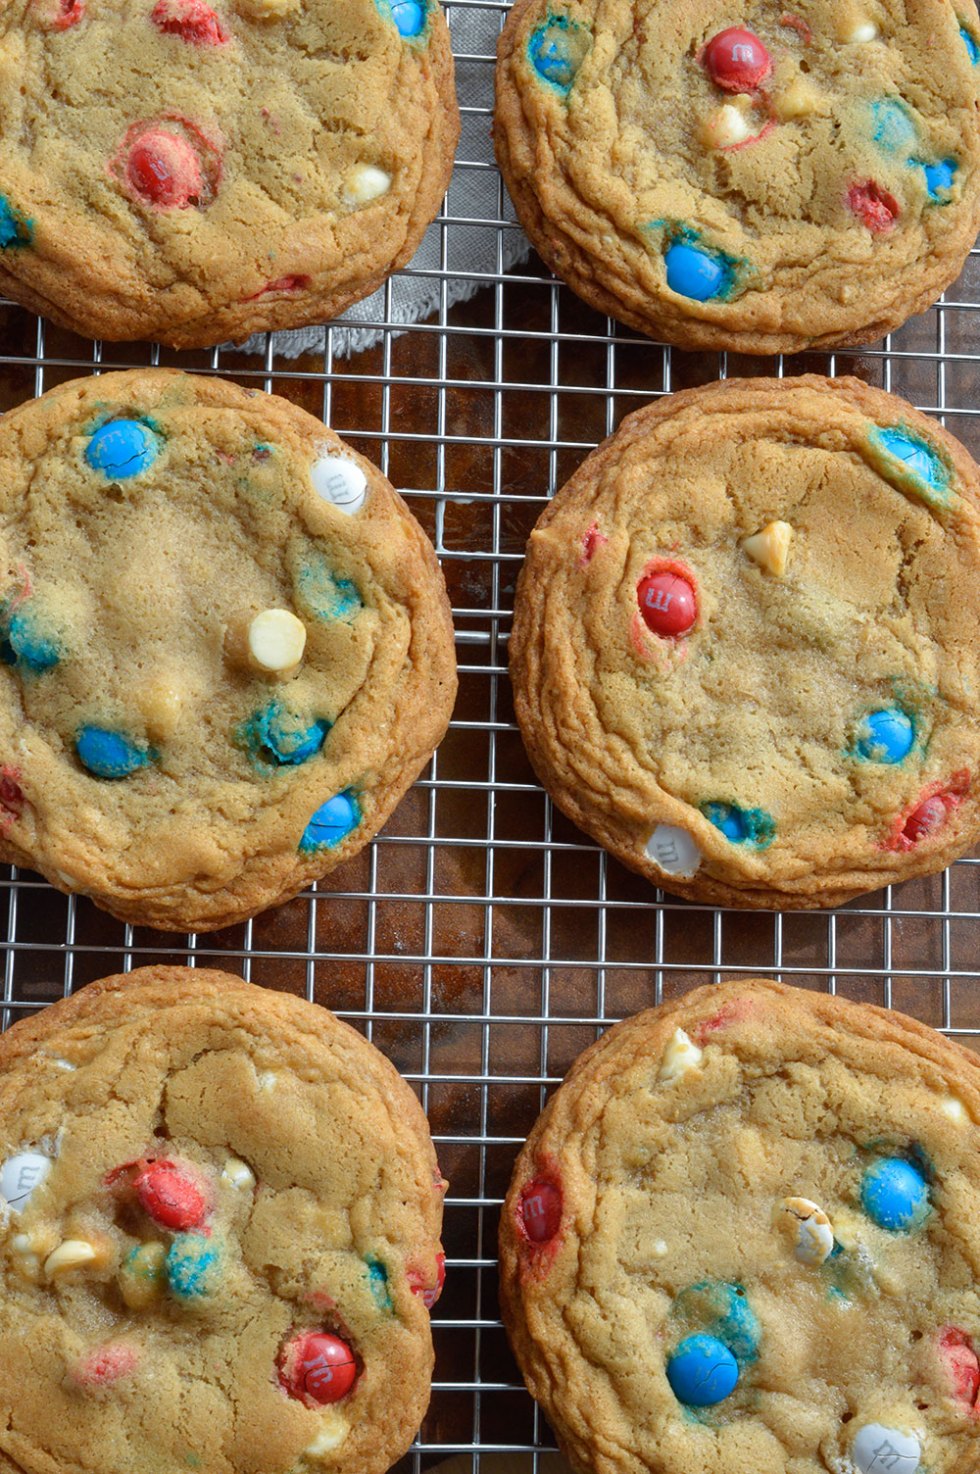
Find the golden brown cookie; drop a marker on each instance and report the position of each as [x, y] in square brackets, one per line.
[743, 1239]
[227, 647]
[176, 171]
[219, 1235]
[755, 178]
[745, 653]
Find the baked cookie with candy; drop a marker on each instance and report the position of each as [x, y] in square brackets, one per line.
[752, 178]
[219, 1235]
[226, 648]
[176, 170]
[745, 653]
[744, 1237]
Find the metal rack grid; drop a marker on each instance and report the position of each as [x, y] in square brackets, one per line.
[481, 941]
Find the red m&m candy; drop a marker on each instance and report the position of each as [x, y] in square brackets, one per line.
[170, 1196]
[874, 206]
[736, 60]
[962, 1364]
[430, 1293]
[191, 20]
[163, 169]
[668, 602]
[540, 1211]
[317, 1368]
[929, 816]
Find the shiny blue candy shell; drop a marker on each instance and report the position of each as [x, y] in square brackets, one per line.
[121, 449]
[918, 458]
[939, 178]
[702, 1372]
[970, 42]
[695, 273]
[409, 17]
[108, 754]
[886, 736]
[331, 824]
[895, 1195]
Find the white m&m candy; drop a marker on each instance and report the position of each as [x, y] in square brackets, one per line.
[20, 1176]
[674, 851]
[880, 1450]
[339, 481]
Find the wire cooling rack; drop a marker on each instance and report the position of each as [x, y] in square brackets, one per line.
[481, 941]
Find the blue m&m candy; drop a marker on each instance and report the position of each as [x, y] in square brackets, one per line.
[109, 754]
[557, 50]
[891, 127]
[970, 42]
[939, 178]
[409, 17]
[331, 823]
[193, 1266]
[886, 736]
[702, 1371]
[741, 826]
[279, 736]
[696, 273]
[895, 1195]
[31, 647]
[920, 464]
[15, 229]
[122, 448]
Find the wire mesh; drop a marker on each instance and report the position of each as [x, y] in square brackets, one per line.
[481, 941]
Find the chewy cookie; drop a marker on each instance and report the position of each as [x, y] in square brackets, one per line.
[751, 178]
[226, 647]
[176, 171]
[743, 1239]
[219, 1235]
[744, 651]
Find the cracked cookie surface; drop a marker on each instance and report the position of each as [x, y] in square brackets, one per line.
[742, 1239]
[211, 1186]
[176, 171]
[760, 179]
[744, 651]
[226, 648]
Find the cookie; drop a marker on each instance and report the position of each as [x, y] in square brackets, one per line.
[176, 171]
[219, 1237]
[752, 178]
[226, 648]
[744, 651]
[743, 1239]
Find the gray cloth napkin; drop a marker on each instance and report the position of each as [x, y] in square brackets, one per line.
[467, 251]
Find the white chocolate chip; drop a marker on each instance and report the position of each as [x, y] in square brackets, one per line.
[333, 1431]
[72, 1254]
[340, 481]
[366, 183]
[800, 99]
[726, 127]
[26, 1257]
[62, 1064]
[267, 1080]
[680, 1056]
[238, 1173]
[20, 1176]
[859, 33]
[160, 703]
[276, 640]
[880, 1450]
[660, 1248]
[813, 1237]
[770, 547]
[953, 1108]
[674, 851]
